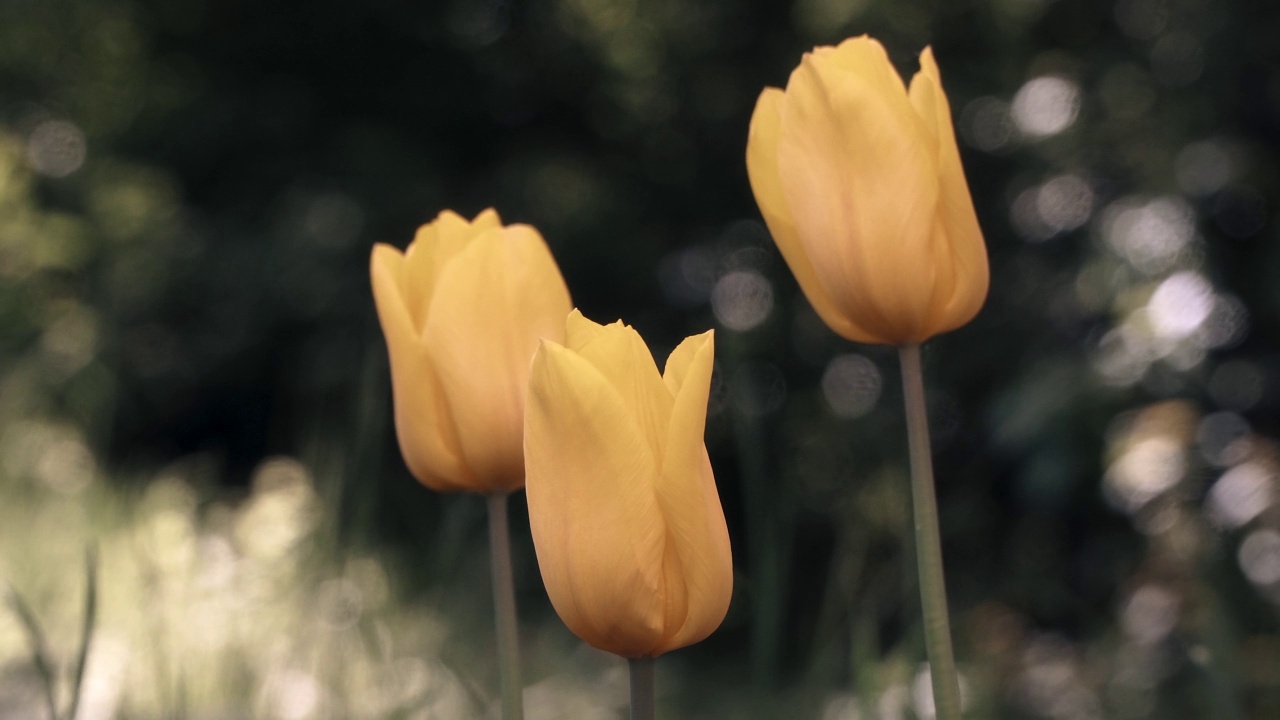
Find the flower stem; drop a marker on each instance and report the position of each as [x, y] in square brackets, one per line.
[642, 688]
[933, 589]
[86, 635]
[504, 609]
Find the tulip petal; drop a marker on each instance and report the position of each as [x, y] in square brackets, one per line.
[578, 330]
[762, 170]
[680, 361]
[493, 301]
[926, 96]
[698, 564]
[620, 354]
[596, 524]
[424, 426]
[433, 246]
[862, 190]
[960, 233]
[865, 57]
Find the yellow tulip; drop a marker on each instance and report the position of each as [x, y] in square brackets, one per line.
[626, 521]
[860, 183]
[463, 310]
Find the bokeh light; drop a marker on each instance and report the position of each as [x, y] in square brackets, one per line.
[56, 148]
[1180, 304]
[851, 385]
[742, 299]
[1150, 614]
[1224, 438]
[1061, 204]
[1241, 494]
[1259, 556]
[1046, 106]
[986, 124]
[1207, 166]
[1151, 234]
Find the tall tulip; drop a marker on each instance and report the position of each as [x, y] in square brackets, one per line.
[860, 183]
[463, 310]
[626, 521]
[859, 180]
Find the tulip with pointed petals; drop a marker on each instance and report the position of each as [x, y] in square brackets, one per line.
[626, 521]
[463, 310]
[859, 180]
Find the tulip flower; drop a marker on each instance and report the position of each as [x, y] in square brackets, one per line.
[859, 180]
[858, 177]
[626, 521]
[462, 310]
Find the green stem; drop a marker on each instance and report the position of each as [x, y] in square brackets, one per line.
[933, 589]
[39, 653]
[642, 688]
[86, 634]
[504, 609]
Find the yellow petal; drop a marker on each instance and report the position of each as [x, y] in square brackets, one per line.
[386, 273]
[862, 190]
[619, 353]
[930, 103]
[762, 170]
[487, 220]
[698, 565]
[424, 428]
[927, 98]
[595, 522]
[579, 330]
[865, 57]
[680, 361]
[435, 244]
[959, 300]
[492, 303]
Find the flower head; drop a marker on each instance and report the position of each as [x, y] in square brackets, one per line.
[463, 309]
[859, 180]
[626, 521]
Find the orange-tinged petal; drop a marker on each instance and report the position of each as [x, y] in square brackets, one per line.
[632, 543]
[698, 561]
[488, 219]
[434, 245]
[681, 360]
[865, 57]
[596, 525]
[762, 170]
[960, 232]
[578, 330]
[928, 100]
[930, 104]
[860, 181]
[862, 192]
[424, 428]
[493, 301]
[621, 356]
[386, 273]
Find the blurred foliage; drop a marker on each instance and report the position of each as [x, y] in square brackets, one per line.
[189, 356]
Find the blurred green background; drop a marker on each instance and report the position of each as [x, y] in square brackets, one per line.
[193, 380]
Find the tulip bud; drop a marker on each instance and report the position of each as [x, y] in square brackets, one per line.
[860, 183]
[626, 521]
[463, 309]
